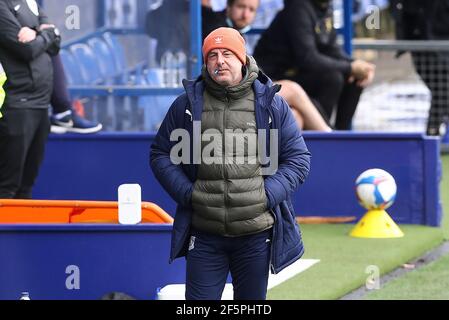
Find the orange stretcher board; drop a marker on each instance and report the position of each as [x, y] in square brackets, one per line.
[72, 211]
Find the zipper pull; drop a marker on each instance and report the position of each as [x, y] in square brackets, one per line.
[190, 114]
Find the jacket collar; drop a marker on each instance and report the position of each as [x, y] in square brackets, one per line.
[194, 91]
[264, 90]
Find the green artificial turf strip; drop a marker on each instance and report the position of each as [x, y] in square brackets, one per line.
[428, 282]
[344, 259]
[444, 192]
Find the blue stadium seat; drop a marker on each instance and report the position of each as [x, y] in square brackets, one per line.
[129, 74]
[154, 110]
[154, 77]
[87, 63]
[150, 112]
[90, 70]
[148, 105]
[101, 60]
[117, 50]
[72, 68]
[162, 103]
[105, 58]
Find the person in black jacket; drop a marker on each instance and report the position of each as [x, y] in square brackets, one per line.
[428, 20]
[300, 45]
[170, 36]
[26, 43]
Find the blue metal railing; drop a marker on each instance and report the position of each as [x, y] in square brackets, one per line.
[122, 91]
[196, 38]
[347, 26]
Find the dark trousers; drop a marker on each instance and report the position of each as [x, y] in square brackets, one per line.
[23, 134]
[210, 258]
[331, 90]
[60, 99]
[433, 68]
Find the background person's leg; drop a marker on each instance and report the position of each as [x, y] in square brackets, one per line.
[250, 266]
[347, 104]
[324, 88]
[207, 267]
[433, 68]
[64, 118]
[60, 99]
[305, 112]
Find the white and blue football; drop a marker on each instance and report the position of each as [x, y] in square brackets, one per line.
[375, 189]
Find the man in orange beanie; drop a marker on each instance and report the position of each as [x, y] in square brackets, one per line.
[234, 211]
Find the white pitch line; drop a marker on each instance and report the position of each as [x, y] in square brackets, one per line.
[291, 271]
[177, 291]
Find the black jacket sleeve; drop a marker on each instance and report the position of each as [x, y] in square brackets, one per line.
[301, 35]
[336, 51]
[9, 29]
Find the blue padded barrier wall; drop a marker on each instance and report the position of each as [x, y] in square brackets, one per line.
[338, 159]
[92, 167]
[86, 261]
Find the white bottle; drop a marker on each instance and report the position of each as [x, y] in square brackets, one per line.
[338, 14]
[181, 67]
[168, 67]
[129, 204]
[25, 296]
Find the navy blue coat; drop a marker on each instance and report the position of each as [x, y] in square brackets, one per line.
[272, 112]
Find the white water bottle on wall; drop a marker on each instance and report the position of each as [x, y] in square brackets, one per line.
[338, 13]
[25, 296]
[129, 204]
[168, 65]
[181, 67]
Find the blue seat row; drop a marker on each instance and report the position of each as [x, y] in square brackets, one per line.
[101, 61]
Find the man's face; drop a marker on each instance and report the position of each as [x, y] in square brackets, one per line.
[224, 67]
[243, 12]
